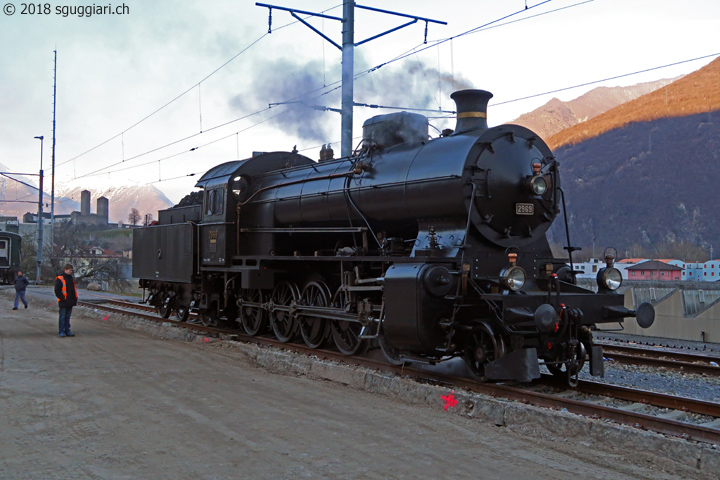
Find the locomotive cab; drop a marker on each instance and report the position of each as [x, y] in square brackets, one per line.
[227, 188]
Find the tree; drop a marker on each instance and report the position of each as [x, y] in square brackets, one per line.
[73, 245]
[68, 246]
[28, 259]
[134, 216]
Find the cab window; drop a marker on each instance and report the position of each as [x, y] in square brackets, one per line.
[214, 201]
[209, 202]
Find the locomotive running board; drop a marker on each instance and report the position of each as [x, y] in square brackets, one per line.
[521, 365]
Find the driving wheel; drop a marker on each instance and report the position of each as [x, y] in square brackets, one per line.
[282, 318]
[346, 334]
[250, 312]
[314, 330]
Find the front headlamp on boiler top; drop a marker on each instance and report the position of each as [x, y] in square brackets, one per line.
[609, 277]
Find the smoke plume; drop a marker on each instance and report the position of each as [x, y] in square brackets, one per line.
[407, 86]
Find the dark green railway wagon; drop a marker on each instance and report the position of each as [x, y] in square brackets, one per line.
[10, 250]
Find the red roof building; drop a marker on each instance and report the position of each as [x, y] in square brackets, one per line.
[654, 270]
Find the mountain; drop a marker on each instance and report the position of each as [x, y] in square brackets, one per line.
[557, 115]
[19, 195]
[121, 199]
[692, 94]
[644, 173]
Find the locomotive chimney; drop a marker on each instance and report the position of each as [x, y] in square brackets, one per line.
[471, 109]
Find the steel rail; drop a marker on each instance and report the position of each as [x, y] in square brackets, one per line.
[513, 393]
[662, 400]
[688, 362]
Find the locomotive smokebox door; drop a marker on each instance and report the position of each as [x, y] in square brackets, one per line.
[416, 306]
[514, 178]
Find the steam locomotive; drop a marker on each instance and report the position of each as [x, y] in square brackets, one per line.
[431, 249]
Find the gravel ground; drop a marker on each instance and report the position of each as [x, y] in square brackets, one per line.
[701, 387]
[620, 338]
[691, 385]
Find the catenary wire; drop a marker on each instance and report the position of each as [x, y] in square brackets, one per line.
[183, 93]
[237, 55]
[474, 30]
[608, 79]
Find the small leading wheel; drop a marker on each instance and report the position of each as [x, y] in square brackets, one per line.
[482, 348]
[164, 308]
[314, 330]
[250, 314]
[391, 353]
[282, 319]
[347, 334]
[570, 368]
[209, 319]
[183, 313]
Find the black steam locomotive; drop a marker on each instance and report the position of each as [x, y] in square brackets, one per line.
[429, 248]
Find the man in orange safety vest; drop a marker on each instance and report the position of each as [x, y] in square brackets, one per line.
[66, 294]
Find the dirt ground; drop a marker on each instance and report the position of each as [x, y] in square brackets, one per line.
[113, 403]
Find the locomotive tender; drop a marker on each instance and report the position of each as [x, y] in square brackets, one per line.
[429, 248]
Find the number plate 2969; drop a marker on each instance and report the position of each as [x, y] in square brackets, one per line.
[524, 209]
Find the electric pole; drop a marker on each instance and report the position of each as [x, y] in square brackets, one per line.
[52, 190]
[348, 74]
[40, 217]
[348, 54]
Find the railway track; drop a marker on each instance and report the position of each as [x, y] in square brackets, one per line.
[676, 360]
[687, 362]
[671, 415]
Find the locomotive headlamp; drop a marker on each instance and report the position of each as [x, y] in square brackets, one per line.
[513, 278]
[538, 185]
[609, 278]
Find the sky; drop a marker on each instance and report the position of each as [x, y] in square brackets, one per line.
[169, 88]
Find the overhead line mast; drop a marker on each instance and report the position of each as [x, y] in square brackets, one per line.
[52, 191]
[348, 58]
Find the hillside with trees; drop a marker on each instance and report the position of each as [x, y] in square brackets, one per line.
[644, 176]
[696, 93]
[557, 115]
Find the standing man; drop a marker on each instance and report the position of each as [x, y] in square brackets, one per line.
[21, 283]
[66, 293]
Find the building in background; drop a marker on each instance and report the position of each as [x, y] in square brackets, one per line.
[655, 270]
[85, 217]
[711, 271]
[9, 224]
